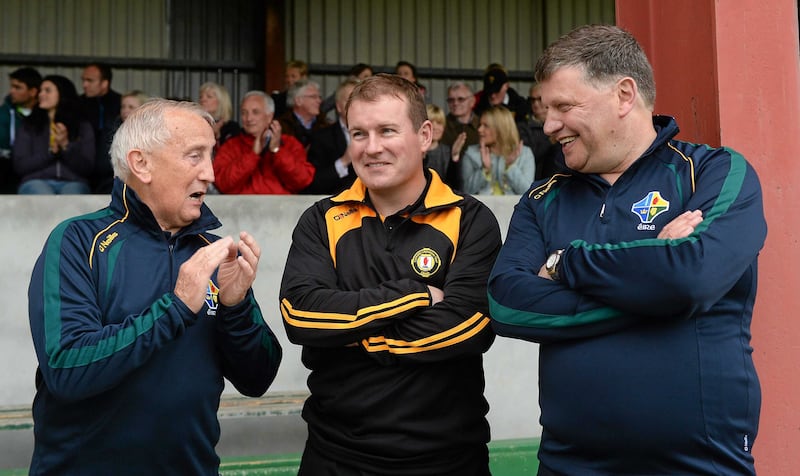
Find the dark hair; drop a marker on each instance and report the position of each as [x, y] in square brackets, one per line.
[360, 68]
[105, 70]
[605, 53]
[406, 63]
[68, 110]
[373, 88]
[27, 75]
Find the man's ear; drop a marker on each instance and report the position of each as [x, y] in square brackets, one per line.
[627, 94]
[140, 165]
[426, 135]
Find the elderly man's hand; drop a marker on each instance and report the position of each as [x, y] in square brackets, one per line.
[195, 272]
[237, 273]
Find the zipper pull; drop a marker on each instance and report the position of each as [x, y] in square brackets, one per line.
[602, 210]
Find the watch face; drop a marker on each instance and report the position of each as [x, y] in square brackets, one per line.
[551, 261]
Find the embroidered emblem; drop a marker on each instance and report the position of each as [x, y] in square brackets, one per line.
[426, 262]
[107, 241]
[648, 208]
[212, 298]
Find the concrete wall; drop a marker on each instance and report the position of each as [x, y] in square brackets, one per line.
[511, 366]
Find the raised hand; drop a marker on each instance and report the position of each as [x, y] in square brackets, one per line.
[194, 273]
[237, 273]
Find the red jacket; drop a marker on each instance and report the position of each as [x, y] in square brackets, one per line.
[239, 170]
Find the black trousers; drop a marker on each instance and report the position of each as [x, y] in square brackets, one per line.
[313, 463]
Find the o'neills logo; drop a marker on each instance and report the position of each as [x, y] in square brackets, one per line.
[105, 243]
[426, 262]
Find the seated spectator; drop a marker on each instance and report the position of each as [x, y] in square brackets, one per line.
[358, 71]
[215, 100]
[54, 152]
[440, 156]
[532, 133]
[22, 97]
[497, 91]
[327, 151]
[130, 102]
[295, 71]
[500, 164]
[408, 71]
[461, 125]
[261, 160]
[303, 116]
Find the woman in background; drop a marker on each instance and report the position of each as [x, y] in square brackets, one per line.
[499, 164]
[214, 98]
[54, 151]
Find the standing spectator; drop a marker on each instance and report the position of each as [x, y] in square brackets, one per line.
[328, 150]
[304, 116]
[408, 71]
[101, 105]
[500, 164]
[461, 126]
[441, 156]
[18, 105]
[637, 273]
[384, 287]
[295, 71]
[497, 91]
[138, 314]
[545, 150]
[261, 160]
[215, 100]
[54, 151]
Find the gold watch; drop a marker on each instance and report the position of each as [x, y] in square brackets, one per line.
[553, 264]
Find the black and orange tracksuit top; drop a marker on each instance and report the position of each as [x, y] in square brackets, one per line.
[396, 383]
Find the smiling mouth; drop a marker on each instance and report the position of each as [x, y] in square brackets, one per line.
[567, 140]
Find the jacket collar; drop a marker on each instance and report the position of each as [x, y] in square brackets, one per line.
[436, 194]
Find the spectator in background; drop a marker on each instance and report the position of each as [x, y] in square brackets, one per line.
[18, 105]
[295, 71]
[304, 117]
[500, 164]
[215, 100]
[261, 160]
[497, 91]
[54, 152]
[131, 101]
[408, 71]
[358, 71]
[544, 149]
[101, 105]
[461, 125]
[439, 156]
[327, 151]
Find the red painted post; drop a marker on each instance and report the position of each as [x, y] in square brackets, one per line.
[730, 73]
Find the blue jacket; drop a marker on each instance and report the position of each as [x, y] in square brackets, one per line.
[645, 361]
[129, 379]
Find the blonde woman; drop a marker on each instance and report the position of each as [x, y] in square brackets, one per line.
[215, 100]
[439, 156]
[499, 164]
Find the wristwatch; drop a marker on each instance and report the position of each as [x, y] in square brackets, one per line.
[553, 264]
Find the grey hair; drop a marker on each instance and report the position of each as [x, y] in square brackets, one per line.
[458, 84]
[605, 53]
[297, 89]
[269, 103]
[146, 129]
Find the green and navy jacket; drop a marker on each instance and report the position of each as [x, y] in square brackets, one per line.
[129, 379]
[396, 383]
[645, 360]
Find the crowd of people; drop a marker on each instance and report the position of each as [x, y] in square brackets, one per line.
[47, 132]
[634, 268]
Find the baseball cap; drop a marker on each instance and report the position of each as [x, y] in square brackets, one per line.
[493, 80]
